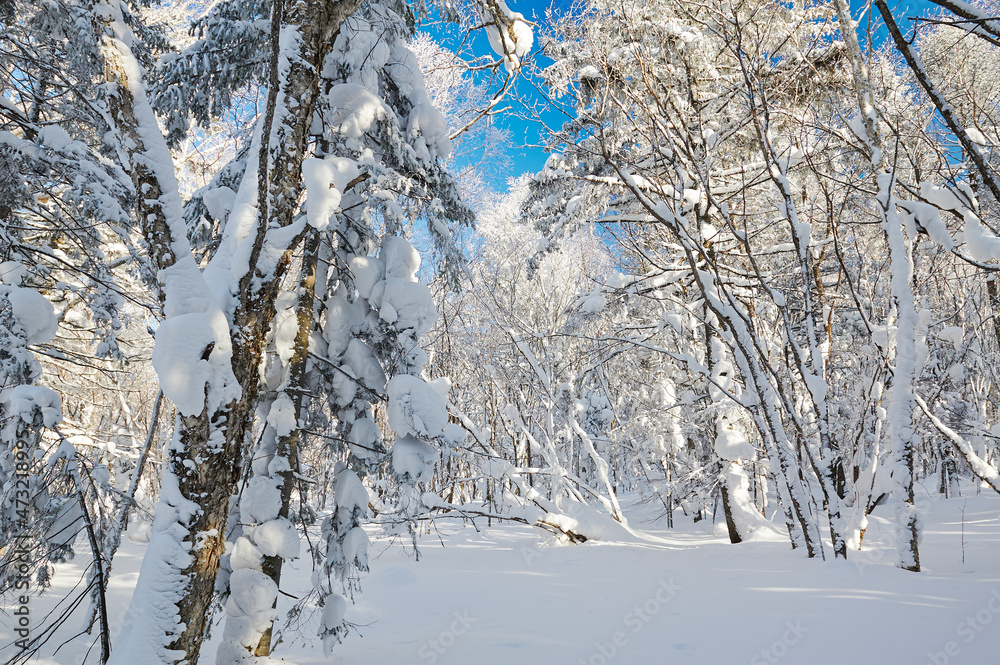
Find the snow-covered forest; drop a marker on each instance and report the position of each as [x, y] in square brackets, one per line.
[300, 363]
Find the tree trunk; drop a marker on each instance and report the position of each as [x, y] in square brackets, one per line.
[204, 460]
[287, 446]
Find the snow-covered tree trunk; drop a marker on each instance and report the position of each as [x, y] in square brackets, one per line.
[731, 445]
[809, 358]
[266, 535]
[170, 604]
[287, 444]
[178, 577]
[902, 435]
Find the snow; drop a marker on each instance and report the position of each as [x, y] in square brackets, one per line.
[389, 285]
[365, 366]
[505, 594]
[139, 531]
[512, 39]
[364, 438]
[277, 537]
[245, 555]
[355, 546]
[252, 592]
[399, 257]
[283, 416]
[261, 501]
[413, 459]
[941, 197]
[930, 219]
[350, 493]
[57, 138]
[407, 305]
[25, 400]
[326, 180]
[427, 129]
[12, 272]
[342, 318]
[953, 334]
[441, 385]
[221, 285]
[593, 302]
[355, 109]
[980, 244]
[334, 611]
[415, 408]
[194, 320]
[179, 360]
[152, 620]
[977, 136]
[67, 523]
[344, 385]
[234, 251]
[589, 522]
[33, 312]
[367, 272]
[219, 202]
[731, 444]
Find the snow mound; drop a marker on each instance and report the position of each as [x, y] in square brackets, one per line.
[593, 302]
[589, 522]
[408, 305]
[953, 334]
[26, 400]
[415, 407]
[219, 202]
[355, 547]
[285, 326]
[342, 318]
[180, 357]
[512, 39]
[366, 367]
[355, 109]
[139, 532]
[399, 257]
[364, 439]
[413, 459]
[730, 444]
[277, 538]
[350, 493]
[245, 555]
[981, 245]
[260, 502]
[333, 612]
[367, 272]
[251, 591]
[12, 272]
[427, 129]
[325, 181]
[250, 606]
[33, 312]
[283, 416]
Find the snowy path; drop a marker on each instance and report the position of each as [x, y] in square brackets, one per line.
[499, 597]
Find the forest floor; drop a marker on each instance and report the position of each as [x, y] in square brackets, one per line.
[503, 595]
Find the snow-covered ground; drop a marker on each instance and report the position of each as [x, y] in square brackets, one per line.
[502, 595]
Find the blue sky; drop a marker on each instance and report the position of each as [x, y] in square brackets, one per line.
[527, 156]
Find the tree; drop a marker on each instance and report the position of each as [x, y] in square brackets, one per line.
[212, 341]
[725, 144]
